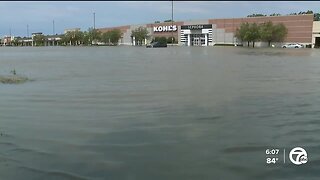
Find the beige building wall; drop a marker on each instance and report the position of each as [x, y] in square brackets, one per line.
[315, 31]
[301, 29]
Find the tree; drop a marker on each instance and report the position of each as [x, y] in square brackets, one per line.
[115, 35]
[140, 34]
[86, 38]
[316, 16]
[93, 36]
[302, 12]
[267, 32]
[169, 40]
[169, 20]
[73, 38]
[307, 12]
[78, 37]
[39, 40]
[253, 34]
[270, 32]
[161, 40]
[66, 38]
[279, 32]
[275, 14]
[256, 15]
[105, 37]
[242, 32]
[112, 36]
[248, 32]
[16, 41]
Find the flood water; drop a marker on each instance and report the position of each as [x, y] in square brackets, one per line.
[176, 113]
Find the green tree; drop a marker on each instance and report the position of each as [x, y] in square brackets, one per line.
[140, 34]
[105, 37]
[302, 12]
[66, 38]
[306, 12]
[279, 32]
[309, 12]
[94, 36]
[115, 35]
[316, 16]
[39, 40]
[169, 40]
[270, 32]
[161, 40]
[73, 38]
[253, 34]
[111, 37]
[16, 41]
[242, 32]
[78, 37]
[86, 38]
[275, 14]
[256, 15]
[267, 32]
[248, 32]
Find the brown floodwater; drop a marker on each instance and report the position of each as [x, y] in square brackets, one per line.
[176, 113]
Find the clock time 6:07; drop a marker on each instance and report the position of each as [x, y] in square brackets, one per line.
[272, 151]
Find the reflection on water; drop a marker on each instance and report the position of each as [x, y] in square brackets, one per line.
[276, 52]
[173, 113]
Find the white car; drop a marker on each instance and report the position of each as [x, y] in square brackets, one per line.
[293, 45]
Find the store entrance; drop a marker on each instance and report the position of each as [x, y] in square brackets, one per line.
[197, 39]
[317, 43]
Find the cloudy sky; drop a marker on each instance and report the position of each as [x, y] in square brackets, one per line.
[39, 16]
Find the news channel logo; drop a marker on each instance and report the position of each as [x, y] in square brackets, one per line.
[298, 156]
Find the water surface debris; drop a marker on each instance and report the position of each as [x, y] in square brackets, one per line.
[13, 79]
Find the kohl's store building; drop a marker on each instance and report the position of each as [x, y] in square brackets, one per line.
[189, 35]
[211, 32]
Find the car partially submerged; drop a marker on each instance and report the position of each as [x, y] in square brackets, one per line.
[293, 45]
[156, 45]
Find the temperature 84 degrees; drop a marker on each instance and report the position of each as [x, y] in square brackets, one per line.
[272, 160]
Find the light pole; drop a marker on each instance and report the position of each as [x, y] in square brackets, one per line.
[172, 23]
[27, 43]
[94, 20]
[27, 30]
[53, 32]
[94, 27]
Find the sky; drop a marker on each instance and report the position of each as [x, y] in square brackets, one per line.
[39, 15]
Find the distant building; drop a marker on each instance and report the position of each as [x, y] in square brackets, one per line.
[37, 33]
[53, 40]
[7, 40]
[22, 41]
[210, 32]
[71, 30]
[47, 40]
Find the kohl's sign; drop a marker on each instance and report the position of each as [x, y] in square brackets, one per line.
[165, 28]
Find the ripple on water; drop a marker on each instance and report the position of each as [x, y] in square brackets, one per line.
[243, 149]
[46, 174]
